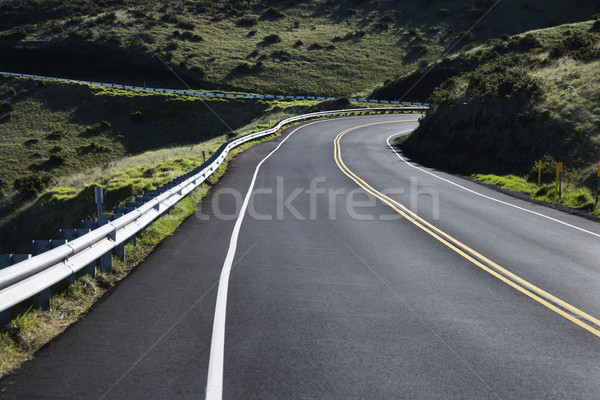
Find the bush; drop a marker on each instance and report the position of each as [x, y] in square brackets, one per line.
[501, 79]
[273, 13]
[581, 46]
[468, 36]
[443, 12]
[186, 25]
[351, 12]
[108, 17]
[169, 16]
[548, 170]
[104, 125]
[421, 48]
[247, 21]
[6, 107]
[137, 116]
[388, 18]
[191, 36]
[281, 55]
[525, 43]
[197, 70]
[56, 134]
[3, 186]
[31, 185]
[273, 38]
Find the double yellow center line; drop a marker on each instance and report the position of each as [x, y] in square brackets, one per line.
[557, 305]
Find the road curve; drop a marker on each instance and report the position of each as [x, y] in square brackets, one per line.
[354, 273]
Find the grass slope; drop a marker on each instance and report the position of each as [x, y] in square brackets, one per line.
[314, 47]
[60, 140]
[525, 98]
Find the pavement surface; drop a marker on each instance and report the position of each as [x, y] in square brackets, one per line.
[332, 294]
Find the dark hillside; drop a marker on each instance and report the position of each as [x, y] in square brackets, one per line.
[519, 107]
[318, 47]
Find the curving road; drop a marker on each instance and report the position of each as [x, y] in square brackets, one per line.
[351, 273]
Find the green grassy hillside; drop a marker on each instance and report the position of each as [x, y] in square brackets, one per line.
[64, 128]
[58, 140]
[526, 98]
[337, 48]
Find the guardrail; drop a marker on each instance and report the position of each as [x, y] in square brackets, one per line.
[35, 276]
[229, 95]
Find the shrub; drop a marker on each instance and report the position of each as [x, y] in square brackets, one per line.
[388, 17]
[443, 12]
[19, 34]
[581, 46]
[351, 12]
[421, 48]
[186, 25]
[3, 186]
[169, 16]
[468, 36]
[104, 125]
[31, 185]
[281, 55]
[6, 107]
[197, 70]
[137, 116]
[273, 13]
[525, 43]
[56, 28]
[108, 18]
[5, 118]
[502, 79]
[548, 170]
[242, 69]
[57, 134]
[272, 38]
[247, 21]
[299, 43]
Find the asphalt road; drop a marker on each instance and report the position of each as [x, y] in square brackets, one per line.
[334, 294]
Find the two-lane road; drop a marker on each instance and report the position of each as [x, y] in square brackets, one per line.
[350, 273]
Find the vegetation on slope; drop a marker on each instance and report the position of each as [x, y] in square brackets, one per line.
[506, 21]
[60, 140]
[337, 48]
[531, 97]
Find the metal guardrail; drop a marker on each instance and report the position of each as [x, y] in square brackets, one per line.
[34, 277]
[211, 94]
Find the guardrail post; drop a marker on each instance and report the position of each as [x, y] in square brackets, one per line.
[42, 299]
[6, 260]
[120, 249]
[106, 260]
[70, 234]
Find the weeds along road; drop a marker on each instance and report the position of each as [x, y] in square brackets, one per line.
[353, 274]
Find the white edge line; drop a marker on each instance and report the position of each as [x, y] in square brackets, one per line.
[214, 384]
[482, 195]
